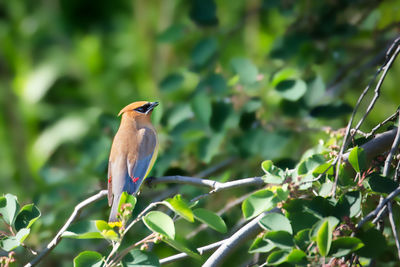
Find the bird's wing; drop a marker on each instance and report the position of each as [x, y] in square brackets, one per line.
[140, 165]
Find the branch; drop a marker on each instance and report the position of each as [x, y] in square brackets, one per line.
[70, 220]
[393, 225]
[390, 57]
[230, 244]
[201, 251]
[376, 146]
[215, 186]
[381, 205]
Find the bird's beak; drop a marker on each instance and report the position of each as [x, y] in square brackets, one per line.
[152, 106]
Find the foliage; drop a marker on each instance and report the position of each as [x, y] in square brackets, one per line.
[239, 83]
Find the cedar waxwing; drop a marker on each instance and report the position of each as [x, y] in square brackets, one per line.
[133, 152]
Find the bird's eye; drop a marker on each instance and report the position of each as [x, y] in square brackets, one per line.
[141, 109]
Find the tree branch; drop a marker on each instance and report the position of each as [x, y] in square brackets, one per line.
[230, 244]
[201, 251]
[215, 186]
[381, 205]
[53, 243]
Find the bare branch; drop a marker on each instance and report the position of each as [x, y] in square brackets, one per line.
[390, 57]
[381, 205]
[75, 214]
[201, 251]
[395, 146]
[230, 244]
[215, 186]
[393, 225]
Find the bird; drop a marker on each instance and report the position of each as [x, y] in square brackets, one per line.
[133, 153]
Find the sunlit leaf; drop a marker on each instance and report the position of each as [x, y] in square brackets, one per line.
[342, 246]
[291, 90]
[8, 208]
[127, 199]
[161, 223]
[88, 259]
[83, 230]
[276, 222]
[211, 219]
[357, 159]
[181, 207]
[257, 203]
[324, 238]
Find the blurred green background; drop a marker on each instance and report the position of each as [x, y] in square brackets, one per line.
[238, 81]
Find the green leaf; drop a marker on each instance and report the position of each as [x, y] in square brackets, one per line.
[333, 222]
[246, 70]
[381, 184]
[204, 51]
[326, 168]
[161, 223]
[110, 234]
[302, 239]
[273, 174]
[283, 193]
[8, 208]
[88, 259]
[277, 257]
[172, 34]
[374, 243]
[12, 242]
[257, 203]
[276, 222]
[291, 90]
[296, 256]
[260, 245]
[26, 216]
[140, 258]
[324, 239]
[326, 189]
[266, 165]
[331, 111]
[315, 91]
[172, 82]
[127, 199]
[102, 225]
[349, 204]
[201, 106]
[211, 219]
[357, 159]
[181, 246]
[281, 239]
[310, 164]
[83, 230]
[342, 246]
[181, 207]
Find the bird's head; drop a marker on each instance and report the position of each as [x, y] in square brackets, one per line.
[139, 108]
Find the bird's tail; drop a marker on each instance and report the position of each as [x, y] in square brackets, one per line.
[114, 209]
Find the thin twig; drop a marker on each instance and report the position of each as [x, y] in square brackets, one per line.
[379, 125]
[201, 251]
[375, 212]
[214, 185]
[386, 66]
[394, 148]
[53, 243]
[393, 225]
[235, 240]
